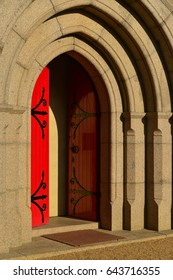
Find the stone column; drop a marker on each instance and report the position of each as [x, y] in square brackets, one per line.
[158, 172]
[111, 171]
[3, 227]
[24, 178]
[163, 172]
[116, 166]
[105, 206]
[13, 218]
[134, 194]
[17, 205]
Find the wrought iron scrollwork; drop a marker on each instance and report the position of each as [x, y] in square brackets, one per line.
[81, 191]
[35, 197]
[82, 115]
[35, 113]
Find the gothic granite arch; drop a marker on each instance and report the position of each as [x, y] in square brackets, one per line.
[126, 47]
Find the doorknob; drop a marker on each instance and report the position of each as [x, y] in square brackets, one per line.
[74, 149]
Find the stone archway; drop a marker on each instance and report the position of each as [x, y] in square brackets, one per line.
[126, 47]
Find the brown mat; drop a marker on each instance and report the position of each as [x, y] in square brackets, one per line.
[82, 237]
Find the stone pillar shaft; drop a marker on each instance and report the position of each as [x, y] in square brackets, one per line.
[116, 163]
[15, 214]
[3, 226]
[158, 172]
[134, 172]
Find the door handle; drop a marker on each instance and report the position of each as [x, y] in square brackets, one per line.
[74, 149]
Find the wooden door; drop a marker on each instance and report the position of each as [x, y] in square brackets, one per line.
[40, 150]
[83, 146]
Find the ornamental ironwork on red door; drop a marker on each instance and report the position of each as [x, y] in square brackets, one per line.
[83, 146]
[40, 150]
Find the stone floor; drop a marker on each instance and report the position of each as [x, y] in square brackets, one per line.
[41, 247]
[63, 224]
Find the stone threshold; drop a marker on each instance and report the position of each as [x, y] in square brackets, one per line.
[63, 224]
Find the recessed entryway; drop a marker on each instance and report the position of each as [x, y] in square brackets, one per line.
[72, 147]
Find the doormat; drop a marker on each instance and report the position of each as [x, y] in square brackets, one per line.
[82, 237]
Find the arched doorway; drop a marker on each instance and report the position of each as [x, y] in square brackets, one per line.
[75, 109]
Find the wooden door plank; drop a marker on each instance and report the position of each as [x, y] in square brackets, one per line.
[40, 150]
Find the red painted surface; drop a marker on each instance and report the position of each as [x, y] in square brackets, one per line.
[40, 150]
[83, 192]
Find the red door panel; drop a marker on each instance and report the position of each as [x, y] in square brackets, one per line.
[40, 150]
[83, 193]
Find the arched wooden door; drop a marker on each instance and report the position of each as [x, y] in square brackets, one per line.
[40, 150]
[83, 146]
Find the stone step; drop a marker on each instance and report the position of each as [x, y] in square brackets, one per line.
[63, 224]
